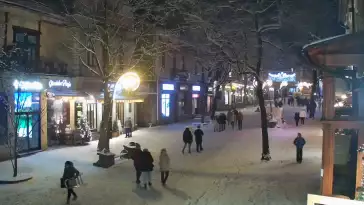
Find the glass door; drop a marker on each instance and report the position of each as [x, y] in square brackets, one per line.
[28, 131]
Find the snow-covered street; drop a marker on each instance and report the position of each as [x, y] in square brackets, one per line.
[228, 172]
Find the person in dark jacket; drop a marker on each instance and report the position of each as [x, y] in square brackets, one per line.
[198, 138]
[299, 142]
[313, 109]
[70, 172]
[146, 167]
[136, 155]
[296, 118]
[187, 139]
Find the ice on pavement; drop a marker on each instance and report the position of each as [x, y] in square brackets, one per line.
[228, 172]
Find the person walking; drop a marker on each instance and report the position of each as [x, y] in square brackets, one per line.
[313, 109]
[198, 138]
[215, 123]
[299, 142]
[136, 157]
[146, 167]
[297, 118]
[303, 116]
[229, 117]
[240, 120]
[128, 127]
[70, 173]
[187, 139]
[164, 166]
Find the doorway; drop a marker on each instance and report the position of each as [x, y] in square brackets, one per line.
[28, 131]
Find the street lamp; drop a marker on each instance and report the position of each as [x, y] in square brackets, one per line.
[129, 81]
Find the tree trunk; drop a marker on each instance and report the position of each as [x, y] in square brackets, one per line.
[214, 101]
[264, 123]
[263, 113]
[245, 97]
[15, 154]
[105, 131]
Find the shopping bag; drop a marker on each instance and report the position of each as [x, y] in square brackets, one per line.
[71, 183]
[79, 180]
[63, 185]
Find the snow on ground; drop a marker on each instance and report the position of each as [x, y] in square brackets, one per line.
[228, 172]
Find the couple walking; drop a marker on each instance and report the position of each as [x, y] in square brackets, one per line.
[233, 117]
[188, 139]
[143, 164]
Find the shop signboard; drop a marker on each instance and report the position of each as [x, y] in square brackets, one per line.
[61, 83]
[196, 88]
[27, 85]
[281, 77]
[168, 87]
[324, 200]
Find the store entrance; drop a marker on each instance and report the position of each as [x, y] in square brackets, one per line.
[28, 126]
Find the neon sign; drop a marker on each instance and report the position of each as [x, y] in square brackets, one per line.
[196, 88]
[168, 87]
[59, 83]
[280, 77]
[27, 85]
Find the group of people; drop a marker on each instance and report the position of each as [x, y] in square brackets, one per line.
[144, 165]
[232, 118]
[188, 139]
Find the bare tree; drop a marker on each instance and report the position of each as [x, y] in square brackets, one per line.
[118, 36]
[18, 105]
[235, 31]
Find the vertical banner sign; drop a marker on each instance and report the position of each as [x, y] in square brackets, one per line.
[78, 113]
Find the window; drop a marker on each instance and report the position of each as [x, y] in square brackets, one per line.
[90, 58]
[164, 60]
[165, 105]
[27, 41]
[119, 111]
[92, 115]
[130, 107]
[174, 61]
[183, 63]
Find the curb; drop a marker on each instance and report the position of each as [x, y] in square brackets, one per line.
[2, 182]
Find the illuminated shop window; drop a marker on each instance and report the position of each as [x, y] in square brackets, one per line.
[165, 105]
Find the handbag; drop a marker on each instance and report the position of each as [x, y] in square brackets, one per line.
[63, 185]
[71, 183]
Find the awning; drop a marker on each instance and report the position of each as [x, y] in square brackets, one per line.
[338, 51]
[68, 93]
[139, 97]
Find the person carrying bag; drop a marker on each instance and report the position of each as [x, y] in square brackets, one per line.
[71, 179]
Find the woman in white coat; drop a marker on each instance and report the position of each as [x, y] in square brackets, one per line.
[164, 165]
[303, 116]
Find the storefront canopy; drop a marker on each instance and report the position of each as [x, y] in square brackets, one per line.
[337, 51]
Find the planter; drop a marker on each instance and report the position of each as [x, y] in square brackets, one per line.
[106, 160]
[115, 134]
[272, 124]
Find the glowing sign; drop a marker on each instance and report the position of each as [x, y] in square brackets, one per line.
[300, 85]
[59, 83]
[167, 87]
[283, 84]
[27, 85]
[280, 77]
[195, 95]
[196, 88]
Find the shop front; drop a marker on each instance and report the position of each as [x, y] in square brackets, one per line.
[28, 112]
[184, 101]
[167, 97]
[196, 95]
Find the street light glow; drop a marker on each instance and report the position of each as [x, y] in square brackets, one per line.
[269, 82]
[129, 81]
